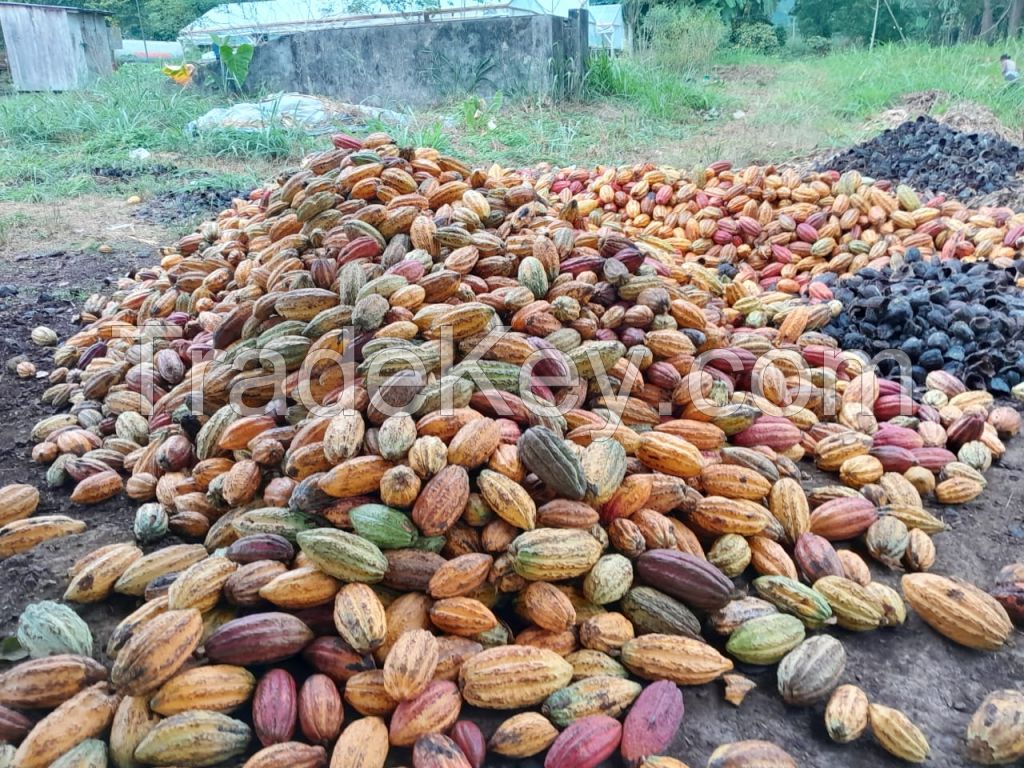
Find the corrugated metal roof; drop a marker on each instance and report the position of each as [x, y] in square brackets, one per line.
[67, 8]
[278, 17]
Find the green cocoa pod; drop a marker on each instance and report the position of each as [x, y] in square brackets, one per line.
[766, 640]
[47, 628]
[386, 527]
[790, 596]
[654, 612]
[343, 555]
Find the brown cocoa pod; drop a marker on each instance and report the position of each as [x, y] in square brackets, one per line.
[333, 657]
[696, 582]
[262, 638]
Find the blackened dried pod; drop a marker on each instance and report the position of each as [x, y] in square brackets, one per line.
[1011, 597]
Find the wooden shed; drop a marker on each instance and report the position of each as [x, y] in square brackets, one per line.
[57, 48]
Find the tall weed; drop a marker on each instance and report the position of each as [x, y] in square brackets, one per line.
[657, 91]
[683, 38]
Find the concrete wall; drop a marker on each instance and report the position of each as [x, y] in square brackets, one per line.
[424, 62]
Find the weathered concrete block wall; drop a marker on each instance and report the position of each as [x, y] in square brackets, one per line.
[421, 63]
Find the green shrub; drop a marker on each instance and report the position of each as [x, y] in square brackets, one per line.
[818, 45]
[812, 45]
[757, 37]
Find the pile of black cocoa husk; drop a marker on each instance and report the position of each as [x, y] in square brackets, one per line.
[934, 158]
[966, 318]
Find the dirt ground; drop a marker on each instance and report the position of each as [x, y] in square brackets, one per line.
[92, 221]
[937, 683]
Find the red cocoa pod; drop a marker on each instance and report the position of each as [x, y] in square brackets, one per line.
[933, 459]
[275, 708]
[819, 291]
[332, 656]
[806, 232]
[14, 726]
[696, 582]
[586, 743]
[900, 437]
[320, 710]
[468, 736]
[843, 518]
[433, 710]
[174, 453]
[437, 751]
[652, 721]
[778, 435]
[967, 427]
[890, 406]
[816, 557]
[894, 458]
[890, 387]
[262, 638]
[260, 546]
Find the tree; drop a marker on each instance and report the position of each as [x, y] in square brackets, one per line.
[730, 11]
[936, 21]
[987, 26]
[1013, 22]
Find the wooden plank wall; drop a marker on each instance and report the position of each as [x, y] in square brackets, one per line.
[50, 49]
[96, 51]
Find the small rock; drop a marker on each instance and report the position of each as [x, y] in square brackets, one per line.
[7, 290]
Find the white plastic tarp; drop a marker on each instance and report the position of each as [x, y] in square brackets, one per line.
[607, 27]
[291, 110]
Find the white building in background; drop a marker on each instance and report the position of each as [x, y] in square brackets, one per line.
[259, 20]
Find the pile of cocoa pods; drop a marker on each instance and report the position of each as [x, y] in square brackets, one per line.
[425, 436]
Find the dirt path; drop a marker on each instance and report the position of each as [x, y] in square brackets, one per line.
[100, 222]
[938, 684]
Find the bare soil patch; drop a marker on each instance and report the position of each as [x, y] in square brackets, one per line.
[79, 223]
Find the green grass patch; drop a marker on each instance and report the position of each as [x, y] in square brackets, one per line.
[839, 92]
[52, 144]
[657, 91]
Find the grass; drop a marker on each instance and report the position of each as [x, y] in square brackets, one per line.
[837, 93]
[52, 144]
[9, 222]
[658, 91]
